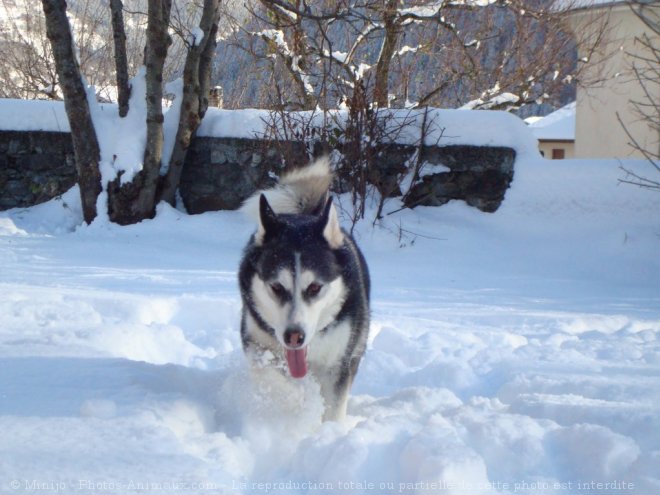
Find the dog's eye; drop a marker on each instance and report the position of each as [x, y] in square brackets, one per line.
[278, 289]
[313, 289]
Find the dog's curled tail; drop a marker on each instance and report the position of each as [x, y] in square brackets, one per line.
[302, 191]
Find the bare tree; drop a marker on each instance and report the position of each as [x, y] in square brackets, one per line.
[486, 53]
[133, 200]
[196, 88]
[136, 200]
[27, 69]
[121, 56]
[85, 143]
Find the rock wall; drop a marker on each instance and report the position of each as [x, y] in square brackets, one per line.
[34, 167]
[219, 173]
[478, 175]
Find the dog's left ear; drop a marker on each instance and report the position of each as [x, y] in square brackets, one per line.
[329, 222]
[268, 222]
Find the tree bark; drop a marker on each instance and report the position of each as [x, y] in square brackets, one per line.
[135, 201]
[296, 59]
[85, 144]
[196, 86]
[121, 60]
[391, 37]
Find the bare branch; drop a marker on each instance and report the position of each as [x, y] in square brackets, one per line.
[121, 59]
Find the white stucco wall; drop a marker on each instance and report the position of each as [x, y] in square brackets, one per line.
[599, 134]
[546, 147]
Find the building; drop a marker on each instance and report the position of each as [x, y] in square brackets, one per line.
[555, 132]
[604, 111]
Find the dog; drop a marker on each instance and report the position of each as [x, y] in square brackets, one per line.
[304, 286]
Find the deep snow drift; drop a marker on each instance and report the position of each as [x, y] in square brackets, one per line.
[514, 352]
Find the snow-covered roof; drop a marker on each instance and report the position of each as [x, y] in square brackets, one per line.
[557, 126]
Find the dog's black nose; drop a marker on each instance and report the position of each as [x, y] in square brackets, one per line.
[294, 336]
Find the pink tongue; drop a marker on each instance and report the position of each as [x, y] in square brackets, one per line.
[297, 361]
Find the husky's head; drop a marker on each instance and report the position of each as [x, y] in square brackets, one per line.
[297, 287]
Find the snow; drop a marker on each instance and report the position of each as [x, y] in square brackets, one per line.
[19, 115]
[197, 36]
[559, 125]
[407, 49]
[276, 36]
[429, 10]
[446, 127]
[491, 102]
[121, 140]
[495, 128]
[340, 57]
[433, 8]
[514, 352]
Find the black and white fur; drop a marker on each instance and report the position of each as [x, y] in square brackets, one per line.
[305, 287]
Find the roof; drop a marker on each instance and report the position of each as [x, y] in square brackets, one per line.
[557, 126]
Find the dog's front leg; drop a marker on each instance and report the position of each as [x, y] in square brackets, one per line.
[335, 396]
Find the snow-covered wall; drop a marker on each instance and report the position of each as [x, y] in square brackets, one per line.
[221, 172]
[466, 155]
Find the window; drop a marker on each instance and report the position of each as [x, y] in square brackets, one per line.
[557, 154]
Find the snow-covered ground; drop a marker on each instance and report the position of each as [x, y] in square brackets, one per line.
[514, 352]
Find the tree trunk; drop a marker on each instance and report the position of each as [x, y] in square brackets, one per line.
[391, 37]
[296, 58]
[135, 201]
[85, 144]
[196, 86]
[121, 60]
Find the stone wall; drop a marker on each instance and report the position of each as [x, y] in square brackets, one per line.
[478, 175]
[34, 167]
[219, 173]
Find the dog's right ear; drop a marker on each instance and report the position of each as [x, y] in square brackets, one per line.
[268, 222]
[329, 222]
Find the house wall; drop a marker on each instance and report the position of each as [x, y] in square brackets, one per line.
[599, 134]
[546, 148]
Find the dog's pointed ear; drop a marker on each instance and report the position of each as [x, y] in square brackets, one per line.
[329, 222]
[268, 222]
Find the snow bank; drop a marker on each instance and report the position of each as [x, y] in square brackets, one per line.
[33, 115]
[514, 352]
[444, 127]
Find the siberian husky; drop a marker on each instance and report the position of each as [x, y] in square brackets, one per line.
[304, 286]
